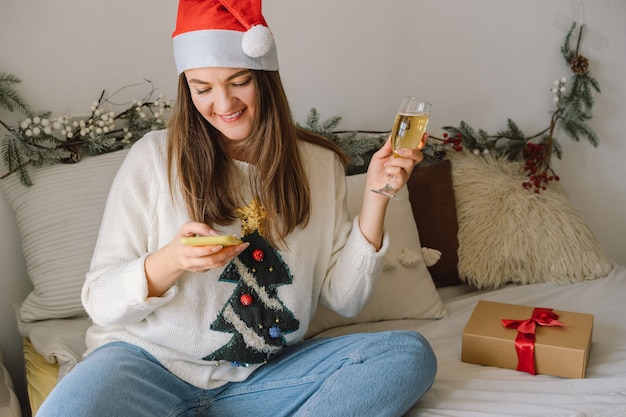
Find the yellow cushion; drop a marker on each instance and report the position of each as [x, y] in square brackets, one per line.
[41, 376]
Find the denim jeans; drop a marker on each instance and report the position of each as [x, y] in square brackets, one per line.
[367, 374]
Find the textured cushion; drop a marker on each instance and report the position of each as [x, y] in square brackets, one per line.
[405, 289]
[508, 234]
[58, 218]
[434, 209]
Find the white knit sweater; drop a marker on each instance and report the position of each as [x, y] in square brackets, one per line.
[329, 260]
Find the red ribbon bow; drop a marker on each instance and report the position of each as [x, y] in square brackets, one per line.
[525, 340]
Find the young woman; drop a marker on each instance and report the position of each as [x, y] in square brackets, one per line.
[217, 330]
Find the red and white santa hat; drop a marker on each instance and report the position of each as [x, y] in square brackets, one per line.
[223, 33]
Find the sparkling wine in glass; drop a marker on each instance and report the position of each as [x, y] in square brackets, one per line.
[408, 130]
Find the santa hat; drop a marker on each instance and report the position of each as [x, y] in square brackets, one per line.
[223, 33]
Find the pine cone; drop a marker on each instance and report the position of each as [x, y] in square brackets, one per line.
[579, 64]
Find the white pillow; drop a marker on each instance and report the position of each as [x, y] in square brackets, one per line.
[405, 290]
[58, 218]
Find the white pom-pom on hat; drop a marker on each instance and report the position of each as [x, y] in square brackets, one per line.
[257, 41]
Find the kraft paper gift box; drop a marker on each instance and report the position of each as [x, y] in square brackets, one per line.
[562, 339]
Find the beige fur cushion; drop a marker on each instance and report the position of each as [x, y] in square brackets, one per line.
[509, 234]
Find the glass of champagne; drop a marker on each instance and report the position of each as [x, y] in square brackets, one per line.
[408, 130]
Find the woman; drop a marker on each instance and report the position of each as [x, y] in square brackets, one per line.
[217, 330]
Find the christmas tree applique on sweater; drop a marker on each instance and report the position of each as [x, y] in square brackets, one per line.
[254, 314]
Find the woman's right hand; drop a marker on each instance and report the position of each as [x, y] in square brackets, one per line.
[167, 264]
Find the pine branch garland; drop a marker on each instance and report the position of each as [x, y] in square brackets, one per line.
[359, 146]
[41, 139]
[573, 110]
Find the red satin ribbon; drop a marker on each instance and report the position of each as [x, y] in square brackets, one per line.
[525, 340]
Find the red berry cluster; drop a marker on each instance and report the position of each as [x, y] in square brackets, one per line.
[455, 141]
[537, 165]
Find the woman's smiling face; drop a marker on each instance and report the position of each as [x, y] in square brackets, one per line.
[226, 98]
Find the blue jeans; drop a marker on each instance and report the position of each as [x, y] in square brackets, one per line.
[369, 374]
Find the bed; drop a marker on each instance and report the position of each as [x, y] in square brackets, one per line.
[465, 231]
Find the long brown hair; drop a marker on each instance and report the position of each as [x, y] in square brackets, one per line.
[197, 157]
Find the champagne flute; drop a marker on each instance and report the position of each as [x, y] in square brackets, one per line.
[408, 130]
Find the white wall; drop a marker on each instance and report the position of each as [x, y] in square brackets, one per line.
[481, 61]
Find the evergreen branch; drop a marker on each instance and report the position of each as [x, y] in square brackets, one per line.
[10, 99]
[516, 132]
[358, 146]
[556, 149]
[565, 48]
[40, 140]
[331, 123]
[13, 160]
[573, 110]
[592, 82]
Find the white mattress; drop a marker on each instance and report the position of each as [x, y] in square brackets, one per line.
[462, 389]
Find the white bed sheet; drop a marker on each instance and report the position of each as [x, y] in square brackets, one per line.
[464, 390]
[60, 341]
[468, 390]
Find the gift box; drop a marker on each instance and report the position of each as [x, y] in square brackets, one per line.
[530, 339]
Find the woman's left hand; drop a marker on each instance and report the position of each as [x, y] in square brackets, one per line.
[385, 168]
